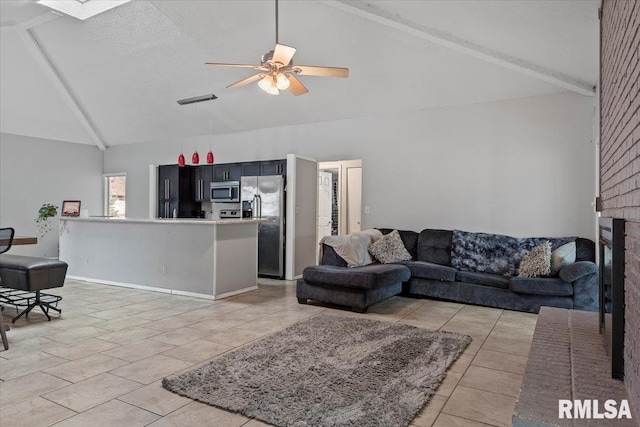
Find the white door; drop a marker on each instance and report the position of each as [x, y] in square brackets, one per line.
[325, 189]
[354, 199]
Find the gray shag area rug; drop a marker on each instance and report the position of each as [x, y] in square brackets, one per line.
[328, 371]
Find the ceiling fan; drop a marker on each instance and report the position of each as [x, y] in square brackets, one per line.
[276, 71]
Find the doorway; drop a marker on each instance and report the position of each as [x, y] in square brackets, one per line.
[327, 204]
[339, 197]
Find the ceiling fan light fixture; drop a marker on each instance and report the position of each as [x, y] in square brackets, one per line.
[265, 83]
[268, 84]
[282, 82]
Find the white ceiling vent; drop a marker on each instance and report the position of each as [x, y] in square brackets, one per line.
[195, 99]
[82, 9]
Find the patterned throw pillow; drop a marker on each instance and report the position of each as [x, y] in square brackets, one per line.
[389, 248]
[537, 262]
[564, 255]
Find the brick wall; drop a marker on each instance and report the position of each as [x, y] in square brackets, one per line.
[620, 158]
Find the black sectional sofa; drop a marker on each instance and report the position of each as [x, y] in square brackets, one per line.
[457, 266]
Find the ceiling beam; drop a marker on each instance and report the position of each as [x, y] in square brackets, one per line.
[31, 43]
[372, 13]
[38, 20]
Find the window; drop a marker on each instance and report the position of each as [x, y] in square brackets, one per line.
[115, 195]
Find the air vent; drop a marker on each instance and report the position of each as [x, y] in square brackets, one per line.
[195, 99]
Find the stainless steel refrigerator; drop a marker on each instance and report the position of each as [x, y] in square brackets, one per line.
[265, 195]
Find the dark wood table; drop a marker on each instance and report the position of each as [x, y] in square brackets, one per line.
[20, 240]
[24, 240]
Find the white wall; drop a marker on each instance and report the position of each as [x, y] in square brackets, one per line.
[304, 212]
[35, 171]
[521, 167]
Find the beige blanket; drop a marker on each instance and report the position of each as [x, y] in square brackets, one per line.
[353, 248]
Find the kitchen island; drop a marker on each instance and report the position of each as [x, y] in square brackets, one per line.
[196, 257]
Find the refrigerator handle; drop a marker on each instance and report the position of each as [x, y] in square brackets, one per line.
[254, 206]
[259, 205]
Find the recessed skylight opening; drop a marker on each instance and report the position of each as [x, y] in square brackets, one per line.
[82, 9]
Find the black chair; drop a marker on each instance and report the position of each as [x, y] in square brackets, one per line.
[23, 279]
[6, 240]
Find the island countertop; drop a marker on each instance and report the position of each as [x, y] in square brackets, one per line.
[181, 221]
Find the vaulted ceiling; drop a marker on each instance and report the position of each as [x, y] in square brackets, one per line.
[115, 78]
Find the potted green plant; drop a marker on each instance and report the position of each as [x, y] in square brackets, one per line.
[43, 221]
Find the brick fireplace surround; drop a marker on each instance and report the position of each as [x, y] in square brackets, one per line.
[620, 159]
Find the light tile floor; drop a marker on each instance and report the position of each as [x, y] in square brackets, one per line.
[101, 363]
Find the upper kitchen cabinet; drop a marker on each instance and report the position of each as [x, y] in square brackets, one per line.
[233, 171]
[202, 178]
[273, 167]
[251, 168]
[227, 172]
[174, 182]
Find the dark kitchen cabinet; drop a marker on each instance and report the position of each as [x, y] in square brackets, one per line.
[273, 167]
[227, 172]
[251, 168]
[174, 182]
[202, 178]
[234, 171]
[174, 192]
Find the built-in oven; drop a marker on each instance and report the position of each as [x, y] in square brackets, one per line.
[225, 192]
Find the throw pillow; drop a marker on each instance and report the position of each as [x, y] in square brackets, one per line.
[537, 262]
[564, 255]
[389, 248]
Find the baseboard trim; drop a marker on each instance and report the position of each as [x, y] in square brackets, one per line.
[154, 289]
[240, 291]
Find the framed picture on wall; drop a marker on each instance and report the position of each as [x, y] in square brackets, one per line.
[71, 208]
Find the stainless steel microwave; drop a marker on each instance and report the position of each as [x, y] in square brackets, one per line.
[225, 192]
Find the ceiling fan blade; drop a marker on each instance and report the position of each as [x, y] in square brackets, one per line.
[220, 64]
[246, 81]
[295, 87]
[307, 70]
[283, 54]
